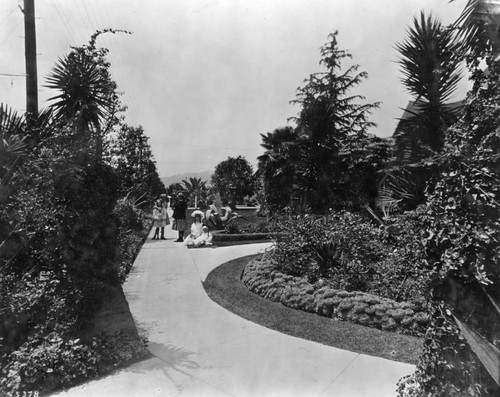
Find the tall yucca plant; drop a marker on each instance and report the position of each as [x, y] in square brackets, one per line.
[87, 98]
[430, 59]
[84, 90]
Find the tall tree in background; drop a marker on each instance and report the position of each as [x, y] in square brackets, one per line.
[233, 179]
[329, 119]
[196, 190]
[132, 155]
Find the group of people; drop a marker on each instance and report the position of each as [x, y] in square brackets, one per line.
[203, 222]
[216, 220]
[199, 232]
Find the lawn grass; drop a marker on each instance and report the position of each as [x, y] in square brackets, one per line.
[223, 286]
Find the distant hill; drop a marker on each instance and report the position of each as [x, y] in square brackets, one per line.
[205, 176]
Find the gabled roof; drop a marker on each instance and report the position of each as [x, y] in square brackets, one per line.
[412, 109]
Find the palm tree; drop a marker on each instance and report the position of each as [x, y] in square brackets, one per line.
[12, 148]
[12, 144]
[195, 188]
[277, 166]
[430, 61]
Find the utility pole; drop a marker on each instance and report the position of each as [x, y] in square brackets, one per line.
[30, 57]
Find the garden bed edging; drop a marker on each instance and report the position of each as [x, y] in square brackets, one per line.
[357, 307]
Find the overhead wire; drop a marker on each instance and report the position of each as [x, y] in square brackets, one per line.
[64, 22]
[4, 40]
[86, 21]
[8, 15]
[130, 94]
[89, 16]
[9, 75]
[116, 52]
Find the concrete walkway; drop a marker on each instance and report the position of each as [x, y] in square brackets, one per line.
[201, 349]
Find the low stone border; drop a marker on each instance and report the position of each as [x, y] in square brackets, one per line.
[358, 307]
[221, 235]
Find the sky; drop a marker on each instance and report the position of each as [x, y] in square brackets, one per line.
[205, 78]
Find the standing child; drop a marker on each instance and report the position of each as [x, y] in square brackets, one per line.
[179, 216]
[164, 218]
[157, 221]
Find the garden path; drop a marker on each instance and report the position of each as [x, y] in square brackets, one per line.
[200, 349]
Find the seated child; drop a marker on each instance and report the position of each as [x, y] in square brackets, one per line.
[205, 240]
[196, 230]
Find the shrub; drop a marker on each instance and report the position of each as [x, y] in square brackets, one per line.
[326, 246]
[354, 255]
[54, 362]
[133, 227]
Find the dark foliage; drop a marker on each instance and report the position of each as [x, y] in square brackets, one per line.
[462, 247]
[234, 179]
[351, 253]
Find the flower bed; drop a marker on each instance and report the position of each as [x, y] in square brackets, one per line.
[262, 278]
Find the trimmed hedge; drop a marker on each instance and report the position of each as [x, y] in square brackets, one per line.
[262, 278]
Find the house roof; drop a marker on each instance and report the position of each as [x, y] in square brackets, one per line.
[412, 109]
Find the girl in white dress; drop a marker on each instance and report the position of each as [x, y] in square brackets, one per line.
[196, 229]
[205, 240]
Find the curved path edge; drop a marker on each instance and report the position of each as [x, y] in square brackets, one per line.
[200, 349]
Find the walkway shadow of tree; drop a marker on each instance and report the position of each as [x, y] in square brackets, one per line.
[176, 359]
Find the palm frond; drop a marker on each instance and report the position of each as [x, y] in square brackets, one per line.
[84, 89]
[478, 24]
[12, 133]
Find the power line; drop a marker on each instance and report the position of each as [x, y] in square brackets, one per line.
[88, 24]
[89, 17]
[11, 31]
[8, 15]
[12, 75]
[63, 20]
